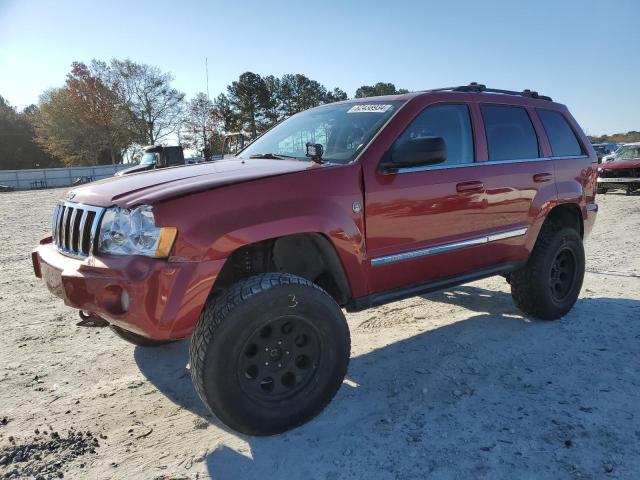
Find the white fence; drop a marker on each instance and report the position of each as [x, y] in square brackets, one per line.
[54, 177]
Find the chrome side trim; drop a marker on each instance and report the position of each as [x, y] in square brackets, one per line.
[479, 164]
[399, 257]
[508, 234]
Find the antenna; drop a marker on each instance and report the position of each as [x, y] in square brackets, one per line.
[206, 65]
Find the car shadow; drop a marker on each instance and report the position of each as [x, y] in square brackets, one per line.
[495, 394]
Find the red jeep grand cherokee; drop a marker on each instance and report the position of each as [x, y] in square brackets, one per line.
[352, 204]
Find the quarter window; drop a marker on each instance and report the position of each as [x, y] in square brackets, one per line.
[510, 133]
[561, 137]
[449, 121]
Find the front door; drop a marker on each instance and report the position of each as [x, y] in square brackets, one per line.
[418, 219]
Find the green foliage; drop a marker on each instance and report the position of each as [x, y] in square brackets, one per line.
[17, 146]
[378, 89]
[249, 98]
[254, 104]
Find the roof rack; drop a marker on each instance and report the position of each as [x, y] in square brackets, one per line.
[479, 88]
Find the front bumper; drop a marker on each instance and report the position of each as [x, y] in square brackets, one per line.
[164, 298]
[621, 182]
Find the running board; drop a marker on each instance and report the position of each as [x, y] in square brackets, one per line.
[377, 299]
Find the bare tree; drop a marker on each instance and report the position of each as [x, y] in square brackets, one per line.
[201, 125]
[155, 107]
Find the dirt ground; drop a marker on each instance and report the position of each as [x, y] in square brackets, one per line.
[454, 385]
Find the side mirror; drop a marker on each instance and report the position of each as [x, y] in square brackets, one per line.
[415, 152]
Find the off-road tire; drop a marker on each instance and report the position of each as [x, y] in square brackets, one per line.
[221, 347]
[531, 286]
[136, 339]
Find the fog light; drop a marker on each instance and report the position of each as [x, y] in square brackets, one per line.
[124, 301]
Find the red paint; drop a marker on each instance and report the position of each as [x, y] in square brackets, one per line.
[620, 164]
[220, 207]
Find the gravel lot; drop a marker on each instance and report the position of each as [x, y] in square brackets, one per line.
[454, 385]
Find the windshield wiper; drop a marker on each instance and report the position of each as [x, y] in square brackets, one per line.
[272, 156]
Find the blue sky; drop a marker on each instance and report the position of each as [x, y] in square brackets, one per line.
[582, 53]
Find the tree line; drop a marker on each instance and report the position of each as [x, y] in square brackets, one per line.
[629, 137]
[106, 111]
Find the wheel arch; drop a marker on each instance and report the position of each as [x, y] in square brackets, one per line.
[310, 255]
[568, 215]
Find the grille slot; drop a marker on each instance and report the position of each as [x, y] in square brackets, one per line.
[620, 173]
[74, 228]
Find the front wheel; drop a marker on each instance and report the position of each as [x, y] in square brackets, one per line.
[549, 285]
[270, 353]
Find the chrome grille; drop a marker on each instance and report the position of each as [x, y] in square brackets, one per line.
[74, 228]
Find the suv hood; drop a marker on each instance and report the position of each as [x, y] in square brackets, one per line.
[620, 164]
[161, 184]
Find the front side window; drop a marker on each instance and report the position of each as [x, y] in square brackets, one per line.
[342, 129]
[449, 121]
[561, 137]
[510, 133]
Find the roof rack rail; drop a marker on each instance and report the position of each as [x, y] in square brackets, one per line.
[479, 88]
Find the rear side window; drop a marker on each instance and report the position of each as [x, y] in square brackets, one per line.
[563, 141]
[510, 133]
[449, 121]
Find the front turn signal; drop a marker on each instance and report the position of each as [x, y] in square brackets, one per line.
[167, 237]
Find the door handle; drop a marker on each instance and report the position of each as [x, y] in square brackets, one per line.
[469, 186]
[542, 177]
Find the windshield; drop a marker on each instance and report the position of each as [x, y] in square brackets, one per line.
[149, 159]
[342, 129]
[628, 153]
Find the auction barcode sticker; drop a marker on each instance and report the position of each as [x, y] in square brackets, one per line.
[369, 108]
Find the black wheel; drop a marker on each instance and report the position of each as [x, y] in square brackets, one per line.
[549, 285]
[269, 353]
[601, 190]
[137, 339]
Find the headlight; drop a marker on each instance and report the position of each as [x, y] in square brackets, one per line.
[133, 232]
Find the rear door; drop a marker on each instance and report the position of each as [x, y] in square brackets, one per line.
[519, 178]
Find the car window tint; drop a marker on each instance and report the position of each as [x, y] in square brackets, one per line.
[561, 137]
[449, 121]
[510, 133]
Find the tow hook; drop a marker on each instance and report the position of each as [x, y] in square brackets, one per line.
[91, 320]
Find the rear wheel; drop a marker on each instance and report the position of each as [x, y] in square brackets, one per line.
[136, 339]
[549, 285]
[270, 353]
